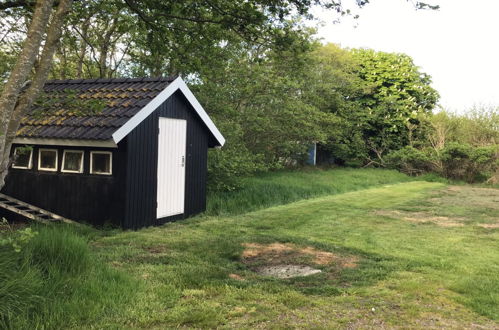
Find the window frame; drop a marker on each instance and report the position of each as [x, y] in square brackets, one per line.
[30, 163]
[110, 153]
[40, 168]
[81, 152]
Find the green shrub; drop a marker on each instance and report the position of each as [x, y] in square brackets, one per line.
[456, 161]
[411, 161]
[227, 167]
[461, 161]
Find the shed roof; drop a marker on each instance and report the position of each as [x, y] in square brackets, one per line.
[123, 101]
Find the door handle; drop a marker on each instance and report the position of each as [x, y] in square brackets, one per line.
[183, 161]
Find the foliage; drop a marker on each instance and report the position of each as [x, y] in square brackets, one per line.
[12, 29]
[17, 239]
[56, 281]
[394, 109]
[462, 161]
[229, 166]
[459, 147]
[262, 103]
[410, 160]
[456, 161]
[478, 126]
[380, 101]
[155, 38]
[333, 86]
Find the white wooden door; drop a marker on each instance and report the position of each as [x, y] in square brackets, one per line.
[171, 166]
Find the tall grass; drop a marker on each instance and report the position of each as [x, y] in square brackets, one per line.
[55, 282]
[276, 188]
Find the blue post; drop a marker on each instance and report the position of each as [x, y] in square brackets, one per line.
[312, 151]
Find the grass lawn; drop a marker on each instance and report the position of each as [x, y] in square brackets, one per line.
[407, 254]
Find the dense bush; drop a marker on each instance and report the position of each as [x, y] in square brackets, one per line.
[227, 167]
[468, 163]
[459, 147]
[411, 161]
[457, 161]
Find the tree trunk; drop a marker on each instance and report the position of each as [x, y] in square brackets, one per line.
[83, 49]
[22, 103]
[19, 75]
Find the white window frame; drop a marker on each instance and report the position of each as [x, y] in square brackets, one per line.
[101, 153]
[56, 160]
[30, 163]
[64, 159]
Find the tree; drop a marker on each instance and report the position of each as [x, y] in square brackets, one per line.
[334, 88]
[400, 98]
[393, 107]
[264, 96]
[46, 27]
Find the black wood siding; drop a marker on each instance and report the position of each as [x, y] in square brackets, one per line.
[142, 158]
[128, 197]
[83, 197]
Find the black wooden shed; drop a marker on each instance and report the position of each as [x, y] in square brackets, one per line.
[141, 161]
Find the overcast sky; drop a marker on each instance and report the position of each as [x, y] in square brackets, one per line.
[457, 45]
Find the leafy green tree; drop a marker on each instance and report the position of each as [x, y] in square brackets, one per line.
[333, 87]
[266, 97]
[393, 112]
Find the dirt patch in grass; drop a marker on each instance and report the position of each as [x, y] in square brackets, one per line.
[489, 225]
[288, 260]
[422, 217]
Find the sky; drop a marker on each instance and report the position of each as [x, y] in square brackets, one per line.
[457, 45]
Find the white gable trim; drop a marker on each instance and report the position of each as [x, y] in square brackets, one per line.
[177, 84]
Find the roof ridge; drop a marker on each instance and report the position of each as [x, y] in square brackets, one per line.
[111, 80]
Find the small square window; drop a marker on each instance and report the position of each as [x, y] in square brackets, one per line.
[101, 162]
[23, 158]
[47, 160]
[72, 161]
